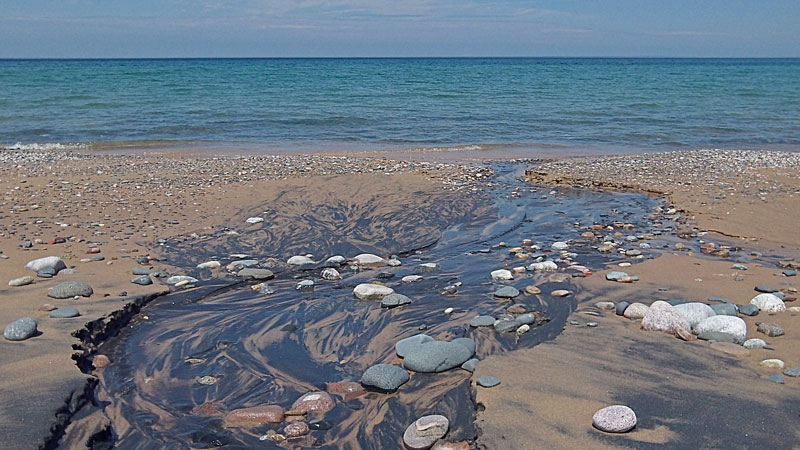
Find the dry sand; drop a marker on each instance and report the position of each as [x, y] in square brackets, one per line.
[686, 394]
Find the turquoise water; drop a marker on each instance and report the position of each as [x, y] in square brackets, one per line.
[279, 104]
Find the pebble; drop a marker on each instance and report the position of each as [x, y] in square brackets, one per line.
[255, 274]
[47, 272]
[22, 281]
[770, 329]
[560, 293]
[367, 259]
[748, 309]
[254, 416]
[425, 431]
[409, 344]
[330, 274]
[299, 260]
[754, 343]
[772, 363]
[462, 445]
[49, 262]
[727, 328]
[296, 429]
[438, 356]
[209, 265]
[793, 372]
[175, 280]
[768, 303]
[386, 377]
[143, 280]
[317, 401]
[427, 267]
[502, 275]
[614, 419]
[100, 361]
[254, 220]
[411, 278]
[487, 381]
[139, 270]
[765, 288]
[776, 378]
[559, 246]
[621, 307]
[304, 285]
[665, 318]
[725, 309]
[482, 321]
[616, 275]
[532, 290]
[739, 267]
[394, 299]
[506, 292]
[607, 306]
[789, 273]
[20, 329]
[636, 311]
[470, 365]
[65, 312]
[367, 291]
[336, 260]
[544, 266]
[69, 289]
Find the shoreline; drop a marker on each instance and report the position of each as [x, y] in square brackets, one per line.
[236, 182]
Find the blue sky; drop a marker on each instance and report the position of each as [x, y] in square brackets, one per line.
[197, 28]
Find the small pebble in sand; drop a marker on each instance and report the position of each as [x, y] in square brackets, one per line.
[614, 419]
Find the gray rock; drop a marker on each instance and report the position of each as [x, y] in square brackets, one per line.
[615, 275]
[394, 262]
[716, 336]
[368, 259]
[789, 273]
[614, 419]
[69, 289]
[143, 280]
[748, 309]
[506, 324]
[482, 321]
[47, 272]
[68, 271]
[793, 372]
[467, 343]
[725, 309]
[425, 431]
[330, 274]
[386, 377]
[368, 291]
[139, 270]
[765, 288]
[506, 292]
[437, 356]
[470, 365]
[394, 300]
[49, 262]
[336, 260]
[20, 329]
[754, 343]
[620, 310]
[64, 312]
[265, 289]
[181, 278]
[487, 381]
[678, 301]
[526, 319]
[732, 327]
[299, 260]
[739, 267]
[719, 300]
[242, 264]
[427, 268]
[770, 329]
[22, 281]
[304, 285]
[776, 378]
[255, 274]
[404, 346]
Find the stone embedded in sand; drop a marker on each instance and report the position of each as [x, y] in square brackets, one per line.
[731, 349]
[210, 265]
[100, 361]
[411, 278]
[255, 274]
[69, 289]
[65, 312]
[330, 274]
[470, 365]
[768, 303]
[544, 266]
[438, 356]
[48, 262]
[560, 293]
[719, 326]
[139, 270]
[386, 377]
[506, 292]
[695, 312]
[663, 317]
[22, 281]
[299, 260]
[772, 363]
[770, 329]
[143, 280]
[482, 321]
[614, 419]
[366, 259]
[793, 372]
[296, 429]
[502, 275]
[607, 306]
[368, 291]
[636, 311]
[20, 329]
[242, 264]
[754, 343]
[766, 288]
[336, 260]
[748, 309]
[425, 431]
[174, 280]
[254, 416]
[487, 381]
[394, 299]
[254, 220]
[317, 401]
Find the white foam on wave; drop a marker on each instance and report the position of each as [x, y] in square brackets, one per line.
[46, 146]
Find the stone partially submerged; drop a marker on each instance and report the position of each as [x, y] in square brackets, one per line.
[368, 291]
[438, 356]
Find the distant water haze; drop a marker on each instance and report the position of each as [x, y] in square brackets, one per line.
[377, 104]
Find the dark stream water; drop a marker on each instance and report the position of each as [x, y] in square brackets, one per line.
[272, 349]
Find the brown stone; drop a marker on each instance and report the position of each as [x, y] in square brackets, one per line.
[254, 416]
[587, 234]
[516, 309]
[462, 445]
[208, 409]
[316, 401]
[532, 290]
[47, 307]
[93, 251]
[295, 412]
[100, 361]
[296, 429]
[348, 390]
[290, 419]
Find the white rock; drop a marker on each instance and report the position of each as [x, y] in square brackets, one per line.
[299, 260]
[331, 274]
[663, 317]
[772, 363]
[411, 278]
[254, 220]
[544, 266]
[181, 280]
[559, 246]
[22, 281]
[53, 262]
[209, 265]
[614, 419]
[502, 274]
[695, 312]
[733, 326]
[367, 291]
[636, 311]
[366, 259]
[449, 311]
[337, 259]
[768, 303]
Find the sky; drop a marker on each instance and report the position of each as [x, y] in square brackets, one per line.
[311, 28]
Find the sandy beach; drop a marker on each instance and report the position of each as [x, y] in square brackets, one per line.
[104, 215]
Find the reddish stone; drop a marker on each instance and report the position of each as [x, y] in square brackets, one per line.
[58, 240]
[316, 401]
[348, 390]
[462, 445]
[254, 416]
[517, 309]
[208, 409]
[296, 429]
[93, 250]
[47, 307]
[290, 419]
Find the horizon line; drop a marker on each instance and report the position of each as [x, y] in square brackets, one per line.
[145, 58]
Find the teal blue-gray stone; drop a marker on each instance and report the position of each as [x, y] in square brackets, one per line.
[792, 372]
[620, 310]
[255, 274]
[69, 289]
[404, 346]
[64, 313]
[506, 292]
[243, 264]
[776, 378]
[394, 299]
[615, 275]
[139, 270]
[526, 319]
[482, 321]
[437, 356]
[767, 289]
[68, 271]
[467, 343]
[748, 309]
[470, 365]
[143, 280]
[506, 324]
[719, 300]
[789, 273]
[20, 329]
[487, 381]
[386, 377]
[716, 336]
[725, 309]
[47, 272]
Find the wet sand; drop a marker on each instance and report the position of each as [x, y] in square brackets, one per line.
[685, 394]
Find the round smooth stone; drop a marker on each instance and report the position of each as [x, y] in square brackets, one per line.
[20, 329]
[64, 313]
[386, 377]
[487, 381]
[614, 419]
